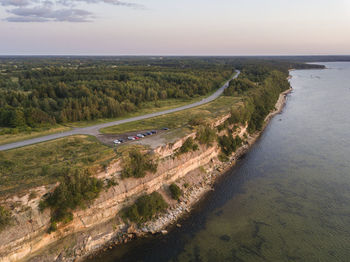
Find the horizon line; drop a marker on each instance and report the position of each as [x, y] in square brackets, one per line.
[173, 55]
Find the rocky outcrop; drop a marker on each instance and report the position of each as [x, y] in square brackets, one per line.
[28, 235]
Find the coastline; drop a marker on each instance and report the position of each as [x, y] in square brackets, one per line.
[98, 228]
[166, 221]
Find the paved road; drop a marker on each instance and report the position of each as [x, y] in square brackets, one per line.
[94, 130]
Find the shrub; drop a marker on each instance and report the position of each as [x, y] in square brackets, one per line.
[137, 164]
[206, 135]
[196, 121]
[187, 146]
[111, 182]
[145, 208]
[223, 158]
[5, 218]
[76, 189]
[175, 191]
[229, 144]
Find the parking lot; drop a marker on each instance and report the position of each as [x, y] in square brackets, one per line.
[115, 140]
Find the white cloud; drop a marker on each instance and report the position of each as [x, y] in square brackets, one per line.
[55, 10]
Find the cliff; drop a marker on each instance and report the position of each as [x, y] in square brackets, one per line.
[98, 224]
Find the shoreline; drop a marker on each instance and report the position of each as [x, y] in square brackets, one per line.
[168, 220]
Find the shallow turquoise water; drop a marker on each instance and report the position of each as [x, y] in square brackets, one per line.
[287, 200]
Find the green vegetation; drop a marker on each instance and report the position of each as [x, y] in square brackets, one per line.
[229, 144]
[249, 99]
[259, 98]
[145, 208]
[175, 191]
[42, 164]
[76, 189]
[196, 121]
[5, 218]
[137, 164]
[11, 135]
[206, 135]
[34, 95]
[187, 146]
[239, 86]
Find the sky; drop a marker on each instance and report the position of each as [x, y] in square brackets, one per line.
[181, 27]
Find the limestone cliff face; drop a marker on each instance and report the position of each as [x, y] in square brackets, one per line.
[91, 228]
[27, 236]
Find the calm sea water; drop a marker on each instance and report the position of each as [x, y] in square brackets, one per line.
[287, 200]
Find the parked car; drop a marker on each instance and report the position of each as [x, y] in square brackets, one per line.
[121, 140]
[149, 133]
[131, 138]
[165, 128]
[154, 132]
[145, 134]
[140, 135]
[136, 138]
[117, 142]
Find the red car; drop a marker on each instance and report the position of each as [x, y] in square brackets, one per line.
[136, 138]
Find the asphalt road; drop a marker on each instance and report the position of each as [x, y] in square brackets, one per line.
[94, 130]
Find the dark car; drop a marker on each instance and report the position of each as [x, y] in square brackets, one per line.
[121, 140]
[154, 132]
[165, 128]
[145, 134]
[149, 133]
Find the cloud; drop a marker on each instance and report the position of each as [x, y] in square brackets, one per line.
[15, 2]
[55, 10]
[111, 2]
[46, 14]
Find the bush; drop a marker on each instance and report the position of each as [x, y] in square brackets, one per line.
[175, 191]
[206, 135]
[145, 208]
[196, 121]
[5, 218]
[223, 158]
[76, 189]
[137, 164]
[229, 144]
[111, 182]
[187, 146]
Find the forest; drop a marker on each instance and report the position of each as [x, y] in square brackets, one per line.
[43, 91]
[34, 96]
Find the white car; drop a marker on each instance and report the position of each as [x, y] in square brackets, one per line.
[131, 138]
[140, 135]
[117, 142]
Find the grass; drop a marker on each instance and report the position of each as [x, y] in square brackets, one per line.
[211, 110]
[39, 164]
[24, 135]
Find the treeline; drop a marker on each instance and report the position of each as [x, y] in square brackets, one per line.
[259, 97]
[52, 95]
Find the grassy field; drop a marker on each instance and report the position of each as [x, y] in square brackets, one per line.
[24, 135]
[209, 111]
[40, 164]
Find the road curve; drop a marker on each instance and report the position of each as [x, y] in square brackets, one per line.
[94, 130]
